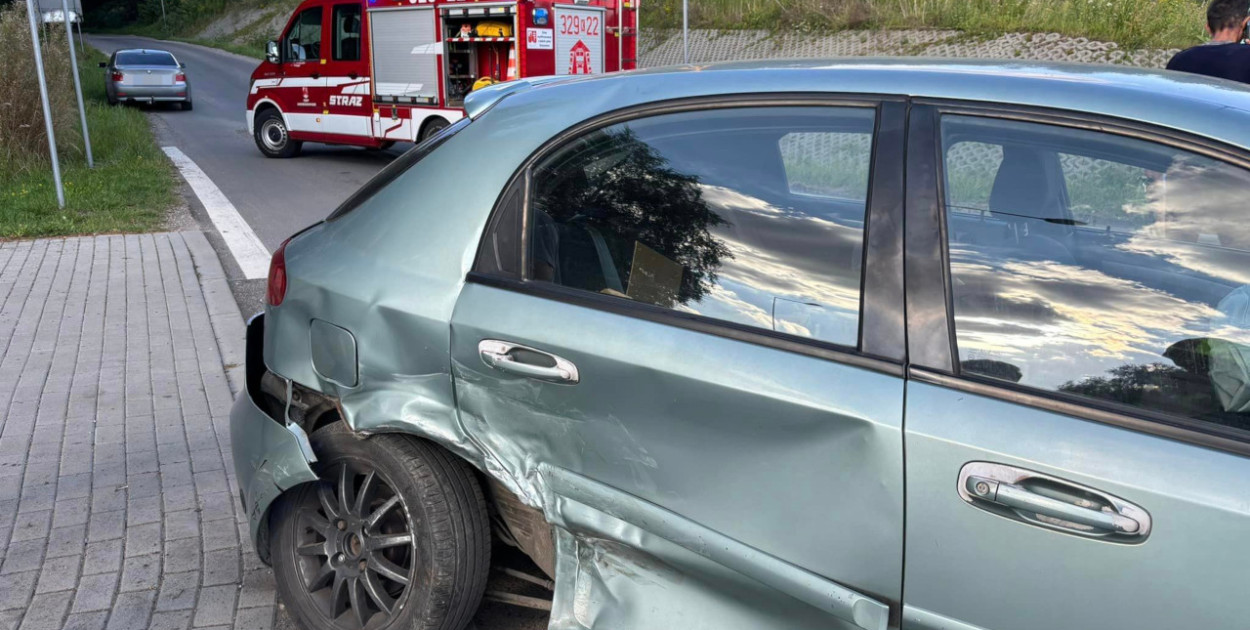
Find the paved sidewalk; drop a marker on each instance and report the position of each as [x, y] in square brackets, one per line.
[118, 506]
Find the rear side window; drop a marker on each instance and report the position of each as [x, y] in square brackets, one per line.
[346, 32]
[1100, 266]
[146, 58]
[753, 216]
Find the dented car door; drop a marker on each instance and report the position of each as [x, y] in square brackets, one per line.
[670, 346]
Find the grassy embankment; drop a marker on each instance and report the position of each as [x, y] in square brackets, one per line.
[131, 187]
[1129, 23]
[188, 20]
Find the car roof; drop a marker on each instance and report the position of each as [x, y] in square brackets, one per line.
[1213, 108]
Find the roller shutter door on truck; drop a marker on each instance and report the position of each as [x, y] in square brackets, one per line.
[405, 54]
[579, 39]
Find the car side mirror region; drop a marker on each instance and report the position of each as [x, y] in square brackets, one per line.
[271, 52]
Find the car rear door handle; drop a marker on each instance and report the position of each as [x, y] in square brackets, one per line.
[353, 76]
[316, 75]
[528, 362]
[1051, 502]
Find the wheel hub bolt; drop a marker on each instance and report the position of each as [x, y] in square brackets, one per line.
[363, 564]
[342, 525]
[340, 557]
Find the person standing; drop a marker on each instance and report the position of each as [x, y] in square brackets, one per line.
[1224, 57]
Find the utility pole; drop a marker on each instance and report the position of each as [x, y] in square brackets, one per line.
[685, 29]
[73, 61]
[47, 109]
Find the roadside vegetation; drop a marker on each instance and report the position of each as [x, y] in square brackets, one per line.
[238, 26]
[132, 185]
[1132, 24]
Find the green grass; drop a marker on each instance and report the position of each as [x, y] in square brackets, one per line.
[1130, 23]
[130, 189]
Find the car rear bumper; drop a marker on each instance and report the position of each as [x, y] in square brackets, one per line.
[270, 456]
[152, 93]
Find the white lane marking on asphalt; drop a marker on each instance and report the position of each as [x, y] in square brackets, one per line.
[246, 247]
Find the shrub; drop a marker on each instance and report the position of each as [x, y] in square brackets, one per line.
[23, 138]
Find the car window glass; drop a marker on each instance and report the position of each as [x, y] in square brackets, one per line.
[696, 212]
[146, 58]
[1105, 267]
[303, 41]
[346, 32]
[826, 164]
[970, 170]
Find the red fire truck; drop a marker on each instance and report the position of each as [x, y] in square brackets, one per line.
[375, 72]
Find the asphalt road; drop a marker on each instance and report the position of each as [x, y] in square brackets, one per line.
[276, 198]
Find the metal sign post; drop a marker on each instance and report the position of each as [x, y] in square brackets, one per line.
[73, 61]
[164, 20]
[685, 29]
[47, 108]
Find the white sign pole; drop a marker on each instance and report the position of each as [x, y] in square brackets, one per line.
[73, 61]
[47, 109]
[685, 29]
[164, 20]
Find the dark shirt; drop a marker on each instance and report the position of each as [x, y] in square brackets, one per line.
[1224, 61]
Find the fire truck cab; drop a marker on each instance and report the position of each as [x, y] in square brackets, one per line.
[374, 72]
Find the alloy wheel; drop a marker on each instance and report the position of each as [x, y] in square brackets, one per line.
[355, 547]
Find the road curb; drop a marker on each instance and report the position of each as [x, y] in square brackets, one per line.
[223, 311]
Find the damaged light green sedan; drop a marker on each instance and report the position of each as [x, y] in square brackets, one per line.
[719, 347]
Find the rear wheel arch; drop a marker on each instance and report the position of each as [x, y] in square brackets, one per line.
[432, 125]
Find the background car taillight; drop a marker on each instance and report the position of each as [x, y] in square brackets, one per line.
[180, 78]
[276, 289]
[117, 77]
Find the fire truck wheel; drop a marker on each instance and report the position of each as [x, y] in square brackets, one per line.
[272, 138]
[432, 127]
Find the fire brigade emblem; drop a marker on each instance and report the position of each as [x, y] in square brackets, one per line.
[305, 94]
[579, 59]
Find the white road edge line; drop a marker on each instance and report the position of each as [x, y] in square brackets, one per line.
[248, 251]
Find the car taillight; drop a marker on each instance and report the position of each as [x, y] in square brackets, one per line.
[276, 289]
[118, 77]
[180, 78]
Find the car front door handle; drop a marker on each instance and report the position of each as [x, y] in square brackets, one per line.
[353, 76]
[528, 362]
[316, 75]
[1041, 499]
[1021, 498]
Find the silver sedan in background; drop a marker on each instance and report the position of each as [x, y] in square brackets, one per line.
[146, 76]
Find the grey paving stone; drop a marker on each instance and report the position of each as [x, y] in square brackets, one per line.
[106, 525]
[143, 539]
[172, 620]
[132, 611]
[216, 605]
[182, 524]
[71, 511]
[182, 555]
[46, 612]
[258, 589]
[31, 526]
[16, 589]
[23, 556]
[58, 574]
[141, 573]
[95, 592]
[221, 567]
[254, 619]
[103, 557]
[86, 621]
[178, 591]
[66, 541]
